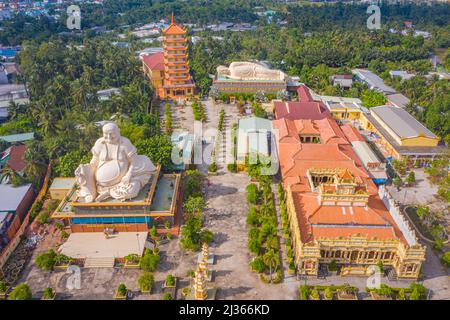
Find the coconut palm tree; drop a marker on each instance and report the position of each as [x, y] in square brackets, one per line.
[271, 259]
[36, 158]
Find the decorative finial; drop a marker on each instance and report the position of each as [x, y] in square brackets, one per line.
[173, 18]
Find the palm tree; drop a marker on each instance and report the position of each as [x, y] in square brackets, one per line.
[36, 158]
[8, 173]
[270, 258]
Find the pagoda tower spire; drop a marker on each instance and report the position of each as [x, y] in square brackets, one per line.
[200, 289]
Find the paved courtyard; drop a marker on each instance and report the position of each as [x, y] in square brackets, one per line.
[226, 217]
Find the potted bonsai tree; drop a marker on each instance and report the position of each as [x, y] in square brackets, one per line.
[121, 292]
[49, 294]
[314, 294]
[3, 290]
[212, 168]
[328, 293]
[132, 261]
[146, 282]
[62, 261]
[167, 296]
[171, 281]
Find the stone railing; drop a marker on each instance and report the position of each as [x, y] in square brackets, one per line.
[396, 213]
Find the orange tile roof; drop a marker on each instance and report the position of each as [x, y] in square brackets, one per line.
[17, 157]
[154, 61]
[352, 133]
[386, 233]
[334, 151]
[174, 28]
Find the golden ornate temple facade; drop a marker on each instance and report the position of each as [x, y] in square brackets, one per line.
[336, 212]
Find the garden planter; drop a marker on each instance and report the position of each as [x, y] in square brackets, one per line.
[172, 286]
[346, 296]
[52, 298]
[131, 264]
[3, 295]
[146, 291]
[62, 266]
[376, 296]
[118, 296]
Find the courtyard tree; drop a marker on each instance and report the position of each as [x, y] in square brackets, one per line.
[46, 261]
[400, 166]
[192, 183]
[410, 178]
[272, 260]
[146, 282]
[70, 161]
[252, 193]
[397, 182]
[150, 260]
[372, 98]
[21, 292]
[445, 259]
[194, 206]
[192, 235]
[158, 148]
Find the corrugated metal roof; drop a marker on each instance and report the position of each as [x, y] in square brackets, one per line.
[18, 137]
[364, 152]
[10, 197]
[401, 122]
[398, 100]
[373, 80]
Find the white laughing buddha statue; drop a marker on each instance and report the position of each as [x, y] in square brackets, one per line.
[115, 171]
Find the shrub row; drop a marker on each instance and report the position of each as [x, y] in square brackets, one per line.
[262, 237]
[285, 228]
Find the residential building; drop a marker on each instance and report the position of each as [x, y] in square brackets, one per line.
[373, 81]
[398, 100]
[400, 135]
[343, 108]
[14, 157]
[402, 74]
[106, 94]
[14, 205]
[345, 81]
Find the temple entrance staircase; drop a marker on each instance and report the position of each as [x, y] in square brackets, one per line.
[99, 263]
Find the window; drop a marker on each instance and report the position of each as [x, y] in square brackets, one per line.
[309, 138]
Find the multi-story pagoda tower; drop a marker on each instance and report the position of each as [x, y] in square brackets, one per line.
[200, 285]
[177, 80]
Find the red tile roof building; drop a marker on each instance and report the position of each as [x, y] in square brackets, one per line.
[335, 210]
[169, 70]
[305, 108]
